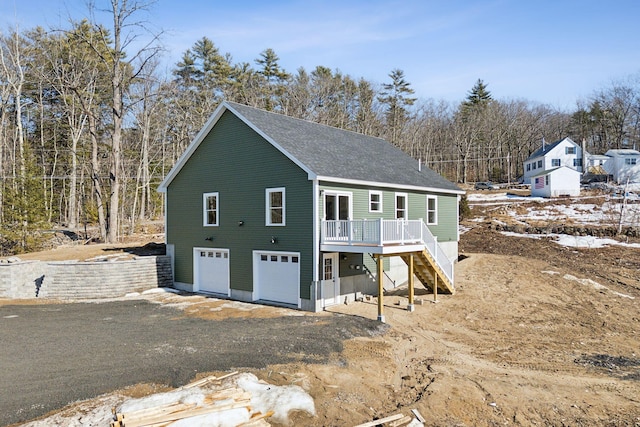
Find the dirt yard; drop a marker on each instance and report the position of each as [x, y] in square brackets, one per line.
[536, 334]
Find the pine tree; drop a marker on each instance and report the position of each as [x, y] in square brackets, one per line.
[275, 76]
[395, 96]
[479, 95]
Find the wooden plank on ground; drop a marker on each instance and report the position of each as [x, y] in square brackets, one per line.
[418, 416]
[402, 421]
[163, 418]
[381, 421]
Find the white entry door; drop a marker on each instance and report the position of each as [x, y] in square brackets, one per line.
[330, 279]
[211, 268]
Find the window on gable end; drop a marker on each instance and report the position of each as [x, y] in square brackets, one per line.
[555, 163]
[275, 206]
[570, 150]
[375, 201]
[432, 210]
[210, 209]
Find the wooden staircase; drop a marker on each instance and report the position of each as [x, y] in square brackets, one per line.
[427, 270]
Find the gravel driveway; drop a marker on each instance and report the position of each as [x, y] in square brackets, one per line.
[55, 354]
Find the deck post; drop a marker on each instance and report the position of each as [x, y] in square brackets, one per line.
[435, 286]
[380, 288]
[410, 307]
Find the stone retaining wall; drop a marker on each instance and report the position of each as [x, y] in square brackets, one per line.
[83, 280]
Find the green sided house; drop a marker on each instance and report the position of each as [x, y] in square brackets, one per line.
[265, 207]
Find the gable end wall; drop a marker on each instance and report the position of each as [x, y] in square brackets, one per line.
[239, 165]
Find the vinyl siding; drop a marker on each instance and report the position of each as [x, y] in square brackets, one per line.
[239, 165]
[447, 205]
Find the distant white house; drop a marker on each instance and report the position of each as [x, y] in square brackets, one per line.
[623, 165]
[556, 182]
[546, 167]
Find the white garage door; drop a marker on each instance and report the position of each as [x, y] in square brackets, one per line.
[211, 270]
[277, 276]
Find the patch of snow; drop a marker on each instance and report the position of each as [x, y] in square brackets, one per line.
[588, 242]
[160, 291]
[550, 272]
[528, 236]
[280, 399]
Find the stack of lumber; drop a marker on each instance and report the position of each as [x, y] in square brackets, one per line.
[217, 401]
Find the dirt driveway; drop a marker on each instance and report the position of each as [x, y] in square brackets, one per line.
[54, 354]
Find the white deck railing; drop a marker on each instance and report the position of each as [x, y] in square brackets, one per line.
[381, 232]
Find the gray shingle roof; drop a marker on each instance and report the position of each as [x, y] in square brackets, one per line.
[545, 149]
[336, 153]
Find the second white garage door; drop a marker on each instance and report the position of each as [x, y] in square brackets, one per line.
[276, 276]
[211, 270]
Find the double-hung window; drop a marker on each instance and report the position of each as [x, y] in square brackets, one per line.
[630, 161]
[432, 210]
[210, 210]
[375, 201]
[555, 163]
[570, 150]
[401, 206]
[275, 206]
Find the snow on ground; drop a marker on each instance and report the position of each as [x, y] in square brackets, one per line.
[264, 398]
[579, 210]
[583, 242]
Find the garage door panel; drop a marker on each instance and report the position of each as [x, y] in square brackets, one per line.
[277, 276]
[213, 270]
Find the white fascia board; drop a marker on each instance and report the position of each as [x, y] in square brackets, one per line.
[213, 119]
[387, 185]
[301, 165]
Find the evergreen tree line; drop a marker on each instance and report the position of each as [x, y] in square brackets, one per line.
[89, 126]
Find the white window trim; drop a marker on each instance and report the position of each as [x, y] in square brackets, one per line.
[435, 199]
[267, 203]
[406, 205]
[379, 193]
[205, 196]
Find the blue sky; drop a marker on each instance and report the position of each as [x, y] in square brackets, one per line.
[550, 51]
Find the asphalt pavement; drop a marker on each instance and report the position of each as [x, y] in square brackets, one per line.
[55, 354]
